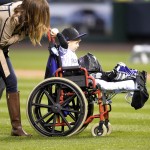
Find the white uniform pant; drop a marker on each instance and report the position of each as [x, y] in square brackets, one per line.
[119, 85]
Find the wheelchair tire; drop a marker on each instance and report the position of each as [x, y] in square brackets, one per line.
[57, 107]
[96, 132]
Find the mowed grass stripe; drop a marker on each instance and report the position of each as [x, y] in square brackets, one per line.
[128, 133]
[125, 127]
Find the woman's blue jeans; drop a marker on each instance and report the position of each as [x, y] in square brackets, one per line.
[11, 80]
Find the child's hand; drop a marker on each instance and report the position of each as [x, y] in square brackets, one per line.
[54, 32]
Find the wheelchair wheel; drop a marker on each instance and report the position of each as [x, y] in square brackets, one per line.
[57, 107]
[99, 132]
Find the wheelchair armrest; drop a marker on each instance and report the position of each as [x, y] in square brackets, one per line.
[71, 68]
[77, 74]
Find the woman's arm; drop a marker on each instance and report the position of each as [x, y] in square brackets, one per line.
[7, 37]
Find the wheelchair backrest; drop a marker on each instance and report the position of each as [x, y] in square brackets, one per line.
[53, 62]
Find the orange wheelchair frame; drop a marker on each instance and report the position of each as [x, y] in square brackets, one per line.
[49, 122]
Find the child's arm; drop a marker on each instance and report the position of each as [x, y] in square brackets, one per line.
[62, 41]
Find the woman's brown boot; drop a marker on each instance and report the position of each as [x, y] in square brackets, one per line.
[13, 102]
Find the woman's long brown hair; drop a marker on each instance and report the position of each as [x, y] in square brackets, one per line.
[34, 16]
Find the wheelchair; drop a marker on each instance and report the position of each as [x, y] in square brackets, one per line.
[63, 103]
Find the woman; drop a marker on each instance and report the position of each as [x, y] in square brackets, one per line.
[30, 18]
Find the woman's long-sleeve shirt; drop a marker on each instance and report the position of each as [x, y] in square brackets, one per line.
[8, 26]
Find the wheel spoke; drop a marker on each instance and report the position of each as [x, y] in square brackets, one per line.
[58, 95]
[42, 118]
[49, 97]
[72, 116]
[64, 119]
[41, 105]
[50, 119]
[68, 100]
[76, 107]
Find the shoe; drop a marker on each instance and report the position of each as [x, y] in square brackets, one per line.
[13, 102]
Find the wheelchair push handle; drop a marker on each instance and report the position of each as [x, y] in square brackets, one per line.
[50, 38]
[52, 43]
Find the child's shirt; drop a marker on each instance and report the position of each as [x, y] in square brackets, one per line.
[68, 57]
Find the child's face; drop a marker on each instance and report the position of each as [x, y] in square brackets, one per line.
[73, 45]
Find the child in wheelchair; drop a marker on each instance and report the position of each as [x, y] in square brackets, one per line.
[120, 78]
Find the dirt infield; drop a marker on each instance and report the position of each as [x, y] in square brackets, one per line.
[39, 74]
[32, 74]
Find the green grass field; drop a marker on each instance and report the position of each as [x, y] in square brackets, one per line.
[131, 128]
